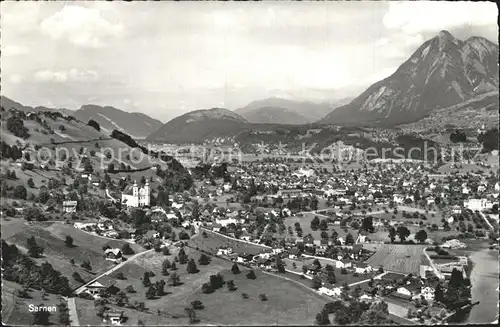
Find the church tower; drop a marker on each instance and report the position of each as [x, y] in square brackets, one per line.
[135, 190]
[147, 194]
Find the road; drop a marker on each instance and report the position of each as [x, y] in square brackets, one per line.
[113, 269]
[73, 315]
[433, 266]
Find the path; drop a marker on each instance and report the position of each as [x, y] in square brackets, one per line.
[367, 280]
[433, 266]
[73, 315]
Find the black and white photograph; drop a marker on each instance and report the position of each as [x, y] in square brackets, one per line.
[249, 163]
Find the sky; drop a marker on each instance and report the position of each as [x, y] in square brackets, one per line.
[168, 58]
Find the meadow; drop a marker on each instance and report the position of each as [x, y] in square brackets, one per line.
[51, 235]
[396, 257]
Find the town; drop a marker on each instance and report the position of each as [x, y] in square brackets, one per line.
[235, 164]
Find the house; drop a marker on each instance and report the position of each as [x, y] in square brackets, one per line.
[427, 293]
[477, 204]
[278, 250]
[134, 196]
[289, 193]
[245, 236]
[225, 251]
[330, 291]
[69, 206]
[456, 209]
[244, 257]
[216, 227]
[113, 317]
[363, 268]
[103, 283]
[343, 264]
[361, 239]
[113, 255]
[410, 290]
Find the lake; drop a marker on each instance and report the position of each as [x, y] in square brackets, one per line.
[484, 279]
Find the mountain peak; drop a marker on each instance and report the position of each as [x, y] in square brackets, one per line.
[445, 39]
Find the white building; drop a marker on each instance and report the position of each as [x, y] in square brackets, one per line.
[477, 204]
[134, 196]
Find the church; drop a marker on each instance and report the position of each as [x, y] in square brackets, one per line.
[134, 196]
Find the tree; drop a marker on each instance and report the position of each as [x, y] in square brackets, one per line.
[34, 250]
[392, 234]
[322, 318]
[235, 269]
[251, 275]
[145, 280]
[31, 184]
[20, 192]
[191, 267]
[41, 317]
[86, 265]
[192, 315]
[69, 241]
[230, 285]
[421, 236]
[164, 267]
[76, 276]
[150, 293]
[403, 232]
[127, 249]
[279, 265]
[206, 288]
[174, 279]
[197, 305]
[160, 287]
[182, 256]
[367, 224]
[349, 239]
[331, 278]
[204, 259]
[64, 320]
[316, 283]
[263, 297]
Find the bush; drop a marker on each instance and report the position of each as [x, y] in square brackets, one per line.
[94, 124]
[251, 275]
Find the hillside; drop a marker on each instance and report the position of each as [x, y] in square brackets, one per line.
[9, 103]
[196, 126]
[310, 110]
[136, 124]
[267, 115]
[444, 71]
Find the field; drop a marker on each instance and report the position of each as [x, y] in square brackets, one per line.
[15, 310]
[288, 302]
[51, 237]
[396, 257]
[214, 241]
[305, 224]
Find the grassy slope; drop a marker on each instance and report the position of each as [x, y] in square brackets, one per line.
[288, 302]
[51, 236]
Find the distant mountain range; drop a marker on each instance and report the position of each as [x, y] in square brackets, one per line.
[442, 72]
[135, 124]
[198, 125]
[284, 111]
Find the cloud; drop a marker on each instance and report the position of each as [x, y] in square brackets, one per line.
[15, 50]
[65, 76]
[16, 79]
[81, 26]
[415, 17]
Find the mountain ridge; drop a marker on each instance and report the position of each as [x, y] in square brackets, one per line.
[442, 72]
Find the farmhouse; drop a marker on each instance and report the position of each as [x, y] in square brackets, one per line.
[225, 251]
[477, 204]
[336, 291]
[363, 268]
[103, 283]
[69, 206]
[113, 254]
[134, 196]
[113, 317]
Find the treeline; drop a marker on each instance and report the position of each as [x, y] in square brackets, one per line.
[489, 140]
[10, 152]
[20, 268]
